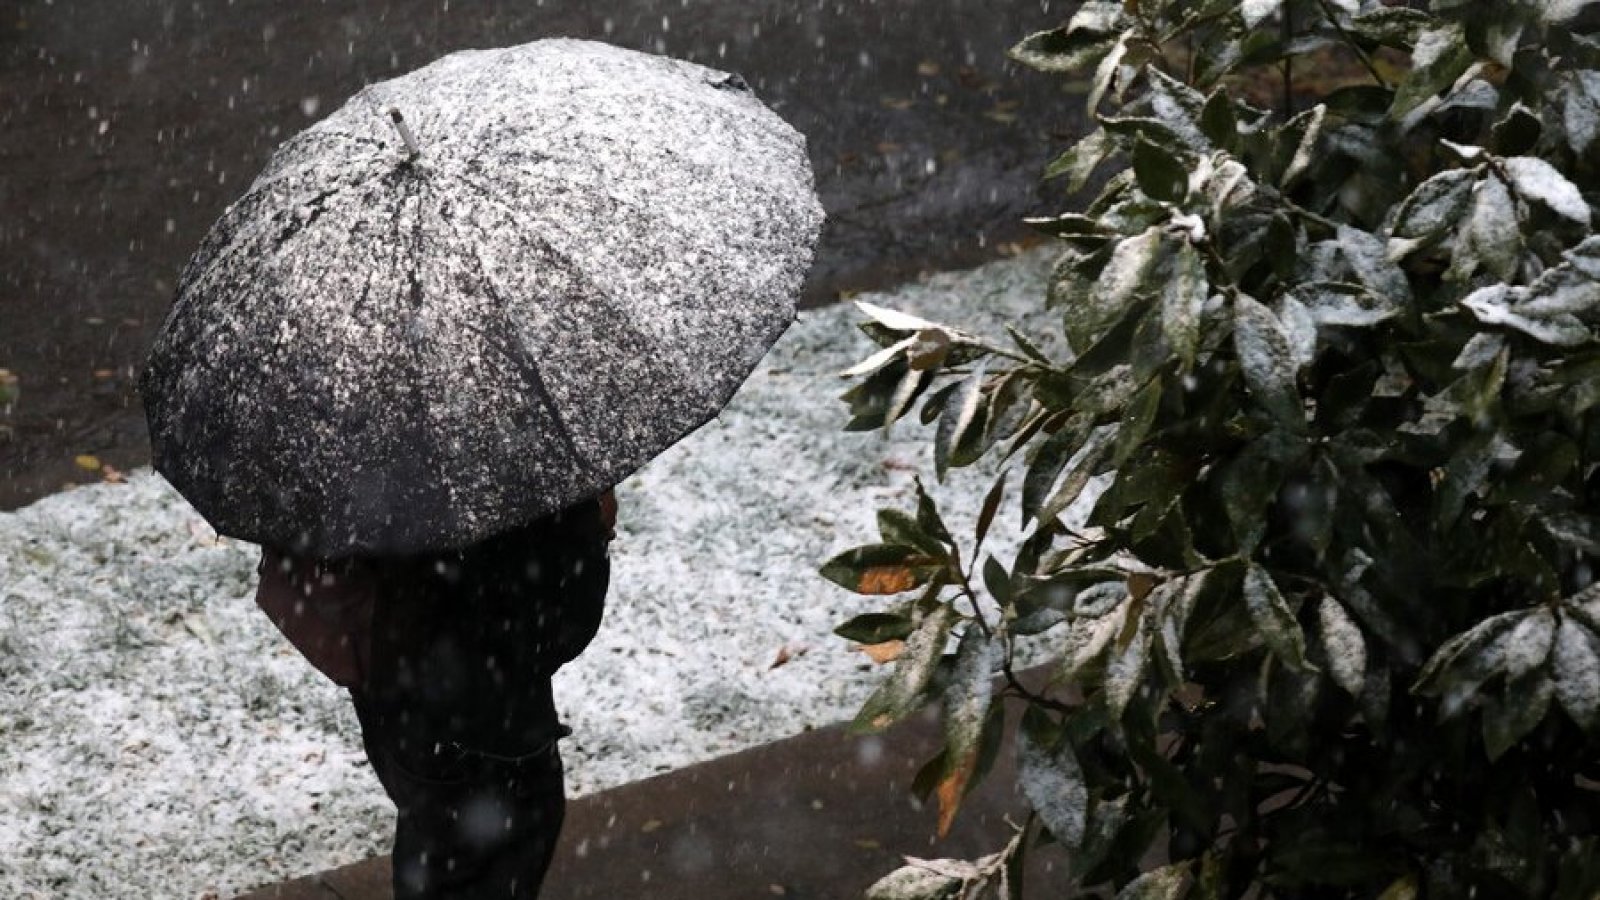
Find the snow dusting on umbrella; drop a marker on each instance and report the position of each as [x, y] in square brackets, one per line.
[381, 349]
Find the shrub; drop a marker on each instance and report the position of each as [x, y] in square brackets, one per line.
[1314, 490]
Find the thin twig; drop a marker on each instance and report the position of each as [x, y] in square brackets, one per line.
[1350, 41]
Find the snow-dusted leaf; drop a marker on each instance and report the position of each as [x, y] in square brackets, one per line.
[1435, 205]
[1563, 290]
[1520, 708]
[1183, 298]
[915, 882]
[1538, 180]
[1272, 616]
[1368, 256]
[1127, 272]
[1585, 257]
[894, 319]
[1490, 236]
[1344, 645]
[1100, 16]
[878, 360]
[1580, 109]
[971, 690]
[899, 694]
[1309, 124]
[1392, 25]
[1085, 639]
[1441, 56]
[1301, 327]
[1255, 11]
[1179, 107]
[1080, 160]
[1489, 305]
[1558, 11]
[958, 417]
[1079, 470]
[1267, 361]
[1125, 669]
[1165, 883]
[1104, 73]
[1059, 50]
[1479, 351]
[1525, 647]
[1576, 530]
[1576, 672]
[1052, 781]
[1343, 303]
[1463, 648]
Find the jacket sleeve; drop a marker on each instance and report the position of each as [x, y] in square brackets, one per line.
[324, 609]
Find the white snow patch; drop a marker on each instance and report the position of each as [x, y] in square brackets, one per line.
[158, 737]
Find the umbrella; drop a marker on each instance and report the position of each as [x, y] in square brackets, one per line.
[478, 293]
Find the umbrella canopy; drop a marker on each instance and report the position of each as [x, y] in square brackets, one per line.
[476, 294]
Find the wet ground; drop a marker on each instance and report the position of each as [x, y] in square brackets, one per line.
[127, 125]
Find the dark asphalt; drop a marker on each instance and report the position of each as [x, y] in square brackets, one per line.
[127, 125]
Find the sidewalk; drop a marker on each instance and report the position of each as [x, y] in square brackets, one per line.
[819, 816]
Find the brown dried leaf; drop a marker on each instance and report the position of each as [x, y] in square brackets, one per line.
[886, 652]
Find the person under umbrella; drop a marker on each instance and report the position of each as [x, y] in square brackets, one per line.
[412, 360]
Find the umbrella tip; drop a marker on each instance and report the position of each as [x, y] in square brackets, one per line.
[405, 131]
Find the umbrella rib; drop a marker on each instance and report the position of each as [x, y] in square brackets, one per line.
[572, 264]
[528, 370]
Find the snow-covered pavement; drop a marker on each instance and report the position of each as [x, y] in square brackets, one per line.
[159, 738]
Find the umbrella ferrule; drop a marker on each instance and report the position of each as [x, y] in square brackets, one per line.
[405, 132]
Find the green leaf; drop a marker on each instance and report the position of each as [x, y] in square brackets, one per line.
[1575, 672]
[960, 417]
[1057, 50]
[1394, 26]
[1536, 179]
[902, 529]
[1137, 420]
[902, 692]
[877, 569]
[1167, 882]
[1509, 718]
[1126, 273]
[928, 518]
[1052, 781]
[1078, 163]
[1160, 174]
[1274, 619]
[1048, 461]
[1440, 57]
[875, 628]
[991, 505]
[1080, 470]
[1267, 361]
[1104, 73]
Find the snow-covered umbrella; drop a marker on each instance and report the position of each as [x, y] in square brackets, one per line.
[477, 293]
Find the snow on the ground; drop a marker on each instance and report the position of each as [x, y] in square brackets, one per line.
[159, 738]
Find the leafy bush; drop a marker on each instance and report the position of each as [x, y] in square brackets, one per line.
[1314, 490]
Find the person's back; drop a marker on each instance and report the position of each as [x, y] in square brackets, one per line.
[448, 659]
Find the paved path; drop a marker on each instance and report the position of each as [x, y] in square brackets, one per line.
[819, 816]
[127, 125]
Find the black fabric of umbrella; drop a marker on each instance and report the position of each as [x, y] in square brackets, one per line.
[476, 294]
